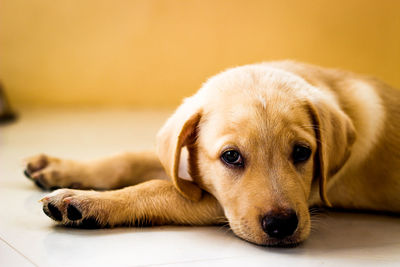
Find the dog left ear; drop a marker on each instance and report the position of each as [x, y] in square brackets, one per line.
[178, 132]
[335, 135]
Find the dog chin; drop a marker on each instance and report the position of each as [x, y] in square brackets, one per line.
[288, 242]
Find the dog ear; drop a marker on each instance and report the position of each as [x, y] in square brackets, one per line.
[335, 135]
[178, 132]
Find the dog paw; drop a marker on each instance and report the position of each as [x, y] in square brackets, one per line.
[76, 208]
[51, 173]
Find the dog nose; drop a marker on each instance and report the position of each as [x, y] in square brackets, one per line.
[280, 224]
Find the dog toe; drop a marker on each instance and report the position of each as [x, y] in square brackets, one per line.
[73, 213]
[27, 174]
[50, 173]
[37, 163]
[73, 208]
[40, 180]
[35, 170]
[53, 212]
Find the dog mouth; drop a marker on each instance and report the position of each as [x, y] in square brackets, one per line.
[288, 242]
[263, 240]
[257, 236]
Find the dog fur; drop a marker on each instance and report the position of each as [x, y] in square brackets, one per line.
[350, 122]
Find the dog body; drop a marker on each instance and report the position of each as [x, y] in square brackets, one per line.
[256, 146]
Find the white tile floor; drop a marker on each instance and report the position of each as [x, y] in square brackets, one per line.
[29, 238]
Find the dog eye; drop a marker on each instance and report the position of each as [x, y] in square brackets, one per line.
[300, 153]
[232, 157]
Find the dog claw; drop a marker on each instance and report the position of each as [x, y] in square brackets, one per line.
[43, 199]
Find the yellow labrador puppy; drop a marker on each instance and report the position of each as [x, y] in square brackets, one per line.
[256, 146]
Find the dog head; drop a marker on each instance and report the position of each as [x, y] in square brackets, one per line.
[258, 138]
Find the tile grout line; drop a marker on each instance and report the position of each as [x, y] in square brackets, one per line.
[16, 250]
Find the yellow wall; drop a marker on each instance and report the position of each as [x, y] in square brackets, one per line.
[152, 52]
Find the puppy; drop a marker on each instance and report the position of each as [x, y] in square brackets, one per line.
[256, 146]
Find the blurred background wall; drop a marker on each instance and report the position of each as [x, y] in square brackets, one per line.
[151, 53]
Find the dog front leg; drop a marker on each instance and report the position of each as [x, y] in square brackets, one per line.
[154, 202]
[108, 173]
